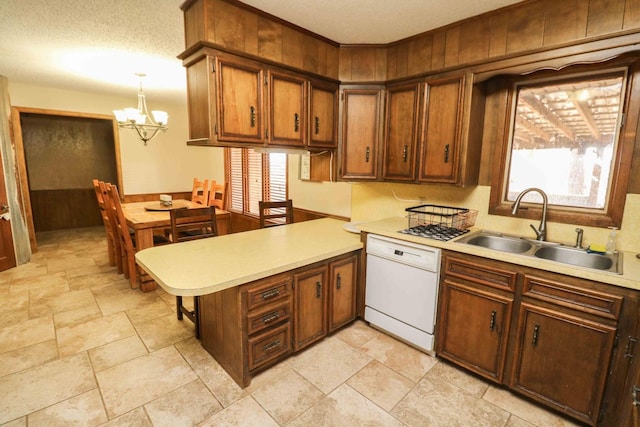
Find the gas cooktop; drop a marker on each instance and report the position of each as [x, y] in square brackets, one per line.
[435, 231]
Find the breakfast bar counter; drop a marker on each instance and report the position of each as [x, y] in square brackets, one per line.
[205, 266]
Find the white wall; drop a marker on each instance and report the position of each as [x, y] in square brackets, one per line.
[166, 164]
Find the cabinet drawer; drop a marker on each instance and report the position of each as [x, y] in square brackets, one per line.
[482, 274]
[267, 291]
[259, 320]
[269, 346]
[575, 297]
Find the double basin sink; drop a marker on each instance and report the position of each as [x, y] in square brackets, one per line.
[545, 250]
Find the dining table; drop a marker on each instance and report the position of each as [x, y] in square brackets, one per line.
[150, 217]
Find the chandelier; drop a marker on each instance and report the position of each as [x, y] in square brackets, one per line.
[139, 119]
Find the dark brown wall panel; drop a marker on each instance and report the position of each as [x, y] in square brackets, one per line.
[526, 25]
[631, 14]
[475, 40]
[605, 16]
[565, 21]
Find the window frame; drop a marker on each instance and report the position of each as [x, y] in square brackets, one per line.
[266, 184]
[505, 89]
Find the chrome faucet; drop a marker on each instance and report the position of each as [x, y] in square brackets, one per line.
[541, 231]
[579, 232]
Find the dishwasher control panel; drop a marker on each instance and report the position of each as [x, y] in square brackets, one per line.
[421, 256]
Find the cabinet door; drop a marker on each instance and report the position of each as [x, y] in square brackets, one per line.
[562, 360]
[361, 110]
[287, 116]
[310, 306]
[403, 107]
[240, 101]
[342, 295]
[473, 328]
[440, 142]
[322, 123]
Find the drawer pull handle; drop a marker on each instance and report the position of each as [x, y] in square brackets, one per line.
[634, 394]
[270, 317]
[338, 281]
[270, 294]
[630, 348]
[492, 322]
[272, 346]
[536, 330]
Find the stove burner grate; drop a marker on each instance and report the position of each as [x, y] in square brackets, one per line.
[435, 231]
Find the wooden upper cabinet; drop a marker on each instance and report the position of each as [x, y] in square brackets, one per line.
[361, 125]
[401, 136]
[451, 136]
[240, 101]
[442, 127]
[287, 112]
[323, 102]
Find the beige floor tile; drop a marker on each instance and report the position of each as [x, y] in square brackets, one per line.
[68, 262]
[345, 407]
[287, 396]
[94, 333]
[26, 271]
[435, 402]
[185, 406]
[112, 300]
[50, 282]
[460, 378]
[90, 311]
[20, 422]
[154, 309]
[36, 388]
[193, 352]
[524, 409]
[329, 363]
[117, 352]
[83, 271]
[245, 412]
[399, 356]
[223, 387]
[517, 422]
[100, 278]
[128, 385]
[136, 418]
[27, 357]
[357, 334]
[14, 307]
[50, 304]
[383, 386]
[163, 331]
[84, 410]
[26, 333]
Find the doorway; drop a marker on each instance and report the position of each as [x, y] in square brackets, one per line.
[58, 155]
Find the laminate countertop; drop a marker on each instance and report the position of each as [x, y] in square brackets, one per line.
[205, 266]
[630, 277]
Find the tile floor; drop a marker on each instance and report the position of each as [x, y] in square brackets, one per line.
[79, 347]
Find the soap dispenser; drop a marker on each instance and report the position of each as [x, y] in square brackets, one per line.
[611, 242]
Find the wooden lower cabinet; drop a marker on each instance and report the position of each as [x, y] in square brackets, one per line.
[556, 339]
[251, 327]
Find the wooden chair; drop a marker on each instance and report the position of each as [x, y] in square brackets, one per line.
[112, 240]
[200, 192]
[192, 224]
[218, 195]
[127, 240]
[105, 199]
[275, 213]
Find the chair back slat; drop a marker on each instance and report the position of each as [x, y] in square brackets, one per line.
[275, 213]
[191, 224]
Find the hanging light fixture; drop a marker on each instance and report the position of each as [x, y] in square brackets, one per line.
[136, 118]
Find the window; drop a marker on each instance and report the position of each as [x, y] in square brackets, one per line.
[254, 176]
[566, 136]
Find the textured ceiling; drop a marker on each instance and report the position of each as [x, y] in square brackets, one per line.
[100, 45]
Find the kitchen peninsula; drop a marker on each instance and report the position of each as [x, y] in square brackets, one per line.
[266, 293]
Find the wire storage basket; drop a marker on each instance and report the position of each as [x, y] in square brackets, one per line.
[441, 216]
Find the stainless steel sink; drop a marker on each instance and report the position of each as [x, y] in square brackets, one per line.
[577, 257]
[544, 250]
[501, 243]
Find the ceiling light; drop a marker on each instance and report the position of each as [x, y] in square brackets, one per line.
[136, 118]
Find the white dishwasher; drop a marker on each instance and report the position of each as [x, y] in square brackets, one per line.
[402, 289]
